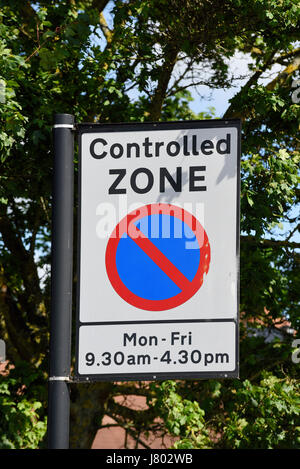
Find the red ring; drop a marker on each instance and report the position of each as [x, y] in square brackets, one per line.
[123, 226]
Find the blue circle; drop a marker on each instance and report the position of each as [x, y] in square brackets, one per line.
[139, 272]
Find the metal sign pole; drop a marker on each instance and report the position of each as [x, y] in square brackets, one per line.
[61, 282]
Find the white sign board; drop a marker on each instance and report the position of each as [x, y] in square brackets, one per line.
[158, 250]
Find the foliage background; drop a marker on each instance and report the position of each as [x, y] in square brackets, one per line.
[138, 63]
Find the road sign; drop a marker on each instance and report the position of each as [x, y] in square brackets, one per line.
[158, 250]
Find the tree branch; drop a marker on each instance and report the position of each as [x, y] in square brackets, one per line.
[132, 433]
[281, 58]
[162, 85]
[283, 76]
[30, 295]
[104, 28]
[230, 112]
[267, 243]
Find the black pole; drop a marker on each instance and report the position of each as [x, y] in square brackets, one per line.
[61, 282]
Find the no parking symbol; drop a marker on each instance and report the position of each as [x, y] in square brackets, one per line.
[157, 256]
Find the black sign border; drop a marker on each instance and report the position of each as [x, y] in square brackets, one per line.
[83, 128]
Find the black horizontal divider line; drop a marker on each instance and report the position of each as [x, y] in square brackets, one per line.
[158, 321]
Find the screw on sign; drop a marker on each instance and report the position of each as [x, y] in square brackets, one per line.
[157, 256]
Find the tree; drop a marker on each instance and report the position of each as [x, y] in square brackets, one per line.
[135, 60]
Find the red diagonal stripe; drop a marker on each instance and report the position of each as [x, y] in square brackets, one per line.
[158, 257]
